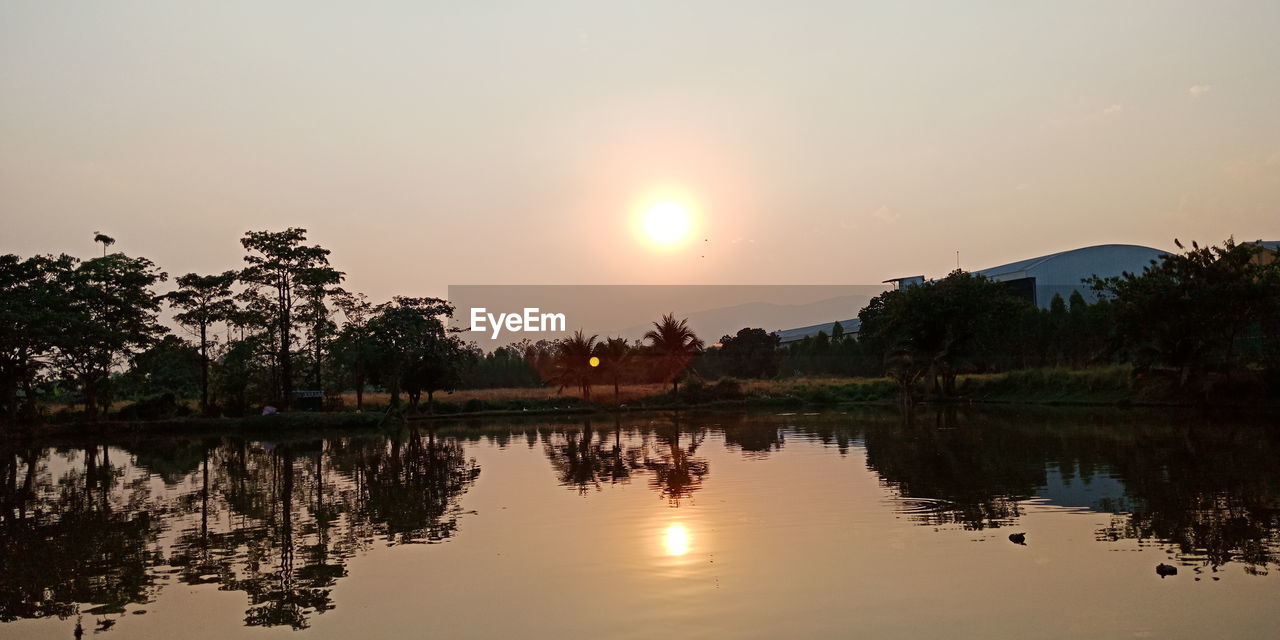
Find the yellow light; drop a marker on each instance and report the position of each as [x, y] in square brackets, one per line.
[676, 540]
[594, 361]
[666, 222]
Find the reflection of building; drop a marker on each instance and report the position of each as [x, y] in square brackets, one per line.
[1098, 491]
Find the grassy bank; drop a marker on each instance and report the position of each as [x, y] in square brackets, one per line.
[1100, 385]
[1112, 385]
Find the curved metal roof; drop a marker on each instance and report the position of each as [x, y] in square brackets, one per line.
[1070, 267]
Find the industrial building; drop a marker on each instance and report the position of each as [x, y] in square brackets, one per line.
[787, 336]
[1035, 279]
[1063, 273]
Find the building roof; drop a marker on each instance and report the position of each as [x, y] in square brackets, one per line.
[1060, 273]
[786, 336]
[1070, 267]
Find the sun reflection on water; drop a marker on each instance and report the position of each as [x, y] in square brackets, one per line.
[676, 540]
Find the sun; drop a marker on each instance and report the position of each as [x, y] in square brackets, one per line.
[666, 223]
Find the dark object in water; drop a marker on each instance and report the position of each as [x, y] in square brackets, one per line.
[1018, 538]
[1163, 570]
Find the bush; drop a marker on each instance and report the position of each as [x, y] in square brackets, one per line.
[161, 407]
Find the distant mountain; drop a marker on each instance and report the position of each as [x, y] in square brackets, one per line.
[628, 310]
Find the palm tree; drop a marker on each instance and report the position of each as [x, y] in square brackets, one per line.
[105, 239]
[615, 356]
[673, 345]
[573, 362]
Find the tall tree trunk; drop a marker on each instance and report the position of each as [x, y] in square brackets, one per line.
[90, 398]
[286, 366]
[11, 400]
[204, 369]
[319, 369]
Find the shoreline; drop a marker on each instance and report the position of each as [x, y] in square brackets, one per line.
[373, 421]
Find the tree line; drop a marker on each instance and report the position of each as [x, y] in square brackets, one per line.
[89, 333]
[1205, 317]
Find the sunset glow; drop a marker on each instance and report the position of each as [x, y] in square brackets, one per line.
[676, 540]
[667, 223]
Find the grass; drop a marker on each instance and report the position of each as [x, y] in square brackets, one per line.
[1109, 385]
[823, 390]
[1096, 385]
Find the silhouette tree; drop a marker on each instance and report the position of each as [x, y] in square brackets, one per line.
[284, 273]
[615, 356]
[105, 239]
[412, 349]
[35, 313]
[353, 348]
[939, 328]
[673, 345]
[203, 301]
[1191, 310]
[573, 362]
[113, 315]
[751, 353]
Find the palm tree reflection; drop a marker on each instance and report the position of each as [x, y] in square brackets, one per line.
[584, 461]
[666, 451]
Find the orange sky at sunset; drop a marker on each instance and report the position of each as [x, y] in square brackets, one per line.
[830, 143]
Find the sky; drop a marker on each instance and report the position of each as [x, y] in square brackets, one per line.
[432, 143]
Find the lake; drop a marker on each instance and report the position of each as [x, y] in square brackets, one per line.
[693, 525]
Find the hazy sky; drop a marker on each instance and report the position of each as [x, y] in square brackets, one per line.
[436, 143]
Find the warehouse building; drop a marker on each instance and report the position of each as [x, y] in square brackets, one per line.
[1035, 279]
[1063, 273]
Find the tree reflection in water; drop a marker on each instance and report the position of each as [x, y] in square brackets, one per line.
[590, 457]
[276, 521]
[677, 471]
[92, 530]
[81, 537]
[1208, 486]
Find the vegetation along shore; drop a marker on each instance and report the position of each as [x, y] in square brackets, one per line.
[95, 341]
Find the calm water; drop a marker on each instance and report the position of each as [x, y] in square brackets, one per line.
[710, 525]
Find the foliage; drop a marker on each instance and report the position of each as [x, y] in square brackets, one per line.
[751, 353]
[672, 346]
[113, 315]
[203, 301]
[1197, 311]
[938, 328]
[412, 350]
[34, 312]
[573, 363]
[617, 358]
[284, 273]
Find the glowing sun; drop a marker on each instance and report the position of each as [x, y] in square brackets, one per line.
[666, 223]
